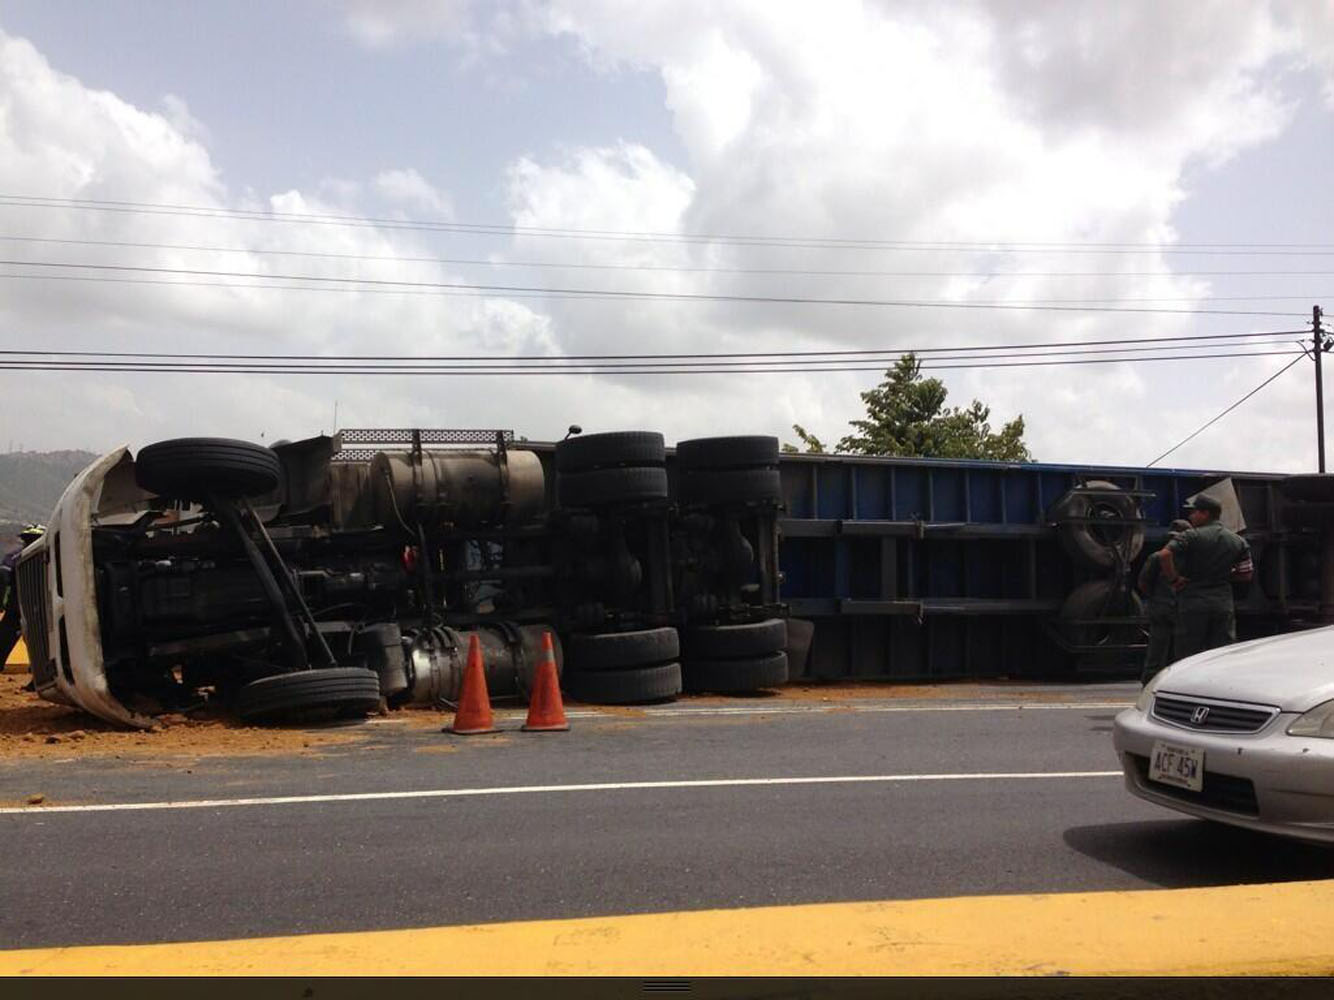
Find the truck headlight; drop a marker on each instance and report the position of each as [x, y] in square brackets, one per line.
[1319, 721]
[1145, 700]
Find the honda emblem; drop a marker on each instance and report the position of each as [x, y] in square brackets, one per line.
[1198, 716]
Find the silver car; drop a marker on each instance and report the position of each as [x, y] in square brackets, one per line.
[1242, 735]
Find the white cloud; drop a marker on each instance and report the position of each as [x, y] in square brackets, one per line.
[977, 122]
[378, 23]
[413, 192]
[906, 121]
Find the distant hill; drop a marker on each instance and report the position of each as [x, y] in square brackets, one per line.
[31, 482]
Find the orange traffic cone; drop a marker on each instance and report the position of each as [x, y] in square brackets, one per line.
[473, 715]
[546, 712]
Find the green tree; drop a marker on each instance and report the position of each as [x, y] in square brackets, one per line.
[814, 446]
[906, 415]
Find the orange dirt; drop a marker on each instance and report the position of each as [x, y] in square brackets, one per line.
[30, 727]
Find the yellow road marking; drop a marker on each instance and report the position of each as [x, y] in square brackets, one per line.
[1235, 930]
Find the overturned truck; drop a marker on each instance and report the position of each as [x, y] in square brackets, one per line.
[327, 576]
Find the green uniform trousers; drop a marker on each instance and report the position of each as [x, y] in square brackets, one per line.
[1203, 626]
[1158, 653]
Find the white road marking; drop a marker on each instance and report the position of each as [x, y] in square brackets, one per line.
[616, 786]
[852, 706]
[870, 706]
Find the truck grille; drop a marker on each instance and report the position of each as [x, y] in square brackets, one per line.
[1221, 791]
[36, 622]
[1211, 716]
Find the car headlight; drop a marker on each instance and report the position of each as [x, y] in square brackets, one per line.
[1145, 700]
[1319, 721]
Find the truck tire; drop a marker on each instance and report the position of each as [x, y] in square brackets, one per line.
[724, 486]
[622, 650]
[611, 450]
[624, 687]
[328, 692]
[742, 452]
[722, 642]
[193, 468]
[734, 676]
[1100, 599]
[610, 486]
[1090, 545]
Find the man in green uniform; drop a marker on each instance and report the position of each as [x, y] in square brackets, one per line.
[1162, 608]
[1201, 565]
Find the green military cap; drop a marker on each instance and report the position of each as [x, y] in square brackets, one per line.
[1207, 504]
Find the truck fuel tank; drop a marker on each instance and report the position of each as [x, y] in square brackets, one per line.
[460, 489]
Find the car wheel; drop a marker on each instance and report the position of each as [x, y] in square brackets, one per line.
[624, 687]
[194, 468]
[309, 694]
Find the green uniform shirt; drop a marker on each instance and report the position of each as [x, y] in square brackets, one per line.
[1205, 556]
[1162, 601]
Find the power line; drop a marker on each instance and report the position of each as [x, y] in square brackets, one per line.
[1209, 423]
[216, 368]
[1177, 342]
[617, 294]
[670, 268]
[805, 242]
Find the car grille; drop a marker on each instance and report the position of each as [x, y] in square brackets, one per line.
[1218, 716]
[36, 624]
[1221, 791]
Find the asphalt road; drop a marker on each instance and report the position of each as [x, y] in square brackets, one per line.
[438, 857]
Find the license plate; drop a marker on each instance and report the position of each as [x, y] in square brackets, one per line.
[1170, 764]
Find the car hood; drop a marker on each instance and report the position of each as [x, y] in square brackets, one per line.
[1295, 671]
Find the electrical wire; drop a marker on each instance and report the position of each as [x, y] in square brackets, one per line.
[268, 368]
[1209, 423]
[670, 268]
[643, 295]
[1177, 342]
[507, 229]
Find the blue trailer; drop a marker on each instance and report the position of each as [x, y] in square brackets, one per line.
[922, 569]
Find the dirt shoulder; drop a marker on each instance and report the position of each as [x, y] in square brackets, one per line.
[30, 727]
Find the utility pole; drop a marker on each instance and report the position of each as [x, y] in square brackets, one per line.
[1318, 342]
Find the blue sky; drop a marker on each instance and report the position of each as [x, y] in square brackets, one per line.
[1158, 125]
[290, 98]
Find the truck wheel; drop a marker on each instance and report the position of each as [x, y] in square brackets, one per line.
[193, 468]
[306, 694]
[611, 450]
[620, 650]
[1101, 599]
[1093, 545]
[610, 486]
[722, 486]
[733, 676]
[721, 642]
[742, 452]
[624, 687]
